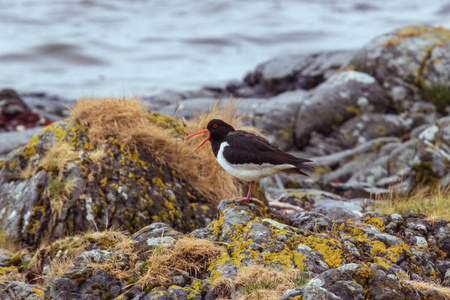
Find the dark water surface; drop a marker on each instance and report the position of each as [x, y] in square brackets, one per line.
[106, 47]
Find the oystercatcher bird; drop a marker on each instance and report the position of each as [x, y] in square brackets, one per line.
[247, 156]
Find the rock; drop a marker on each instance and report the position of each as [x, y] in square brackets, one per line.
[80, 283]
[95, 256]
[368, 127]
[341, 97]
[336, 284]
[154, 235]
[405, 60]
[127, 188]
[384, 286]
[397, 162]
[12, 290]
[295, 72]
[15, 139]
[15, 115]
[277, 117]
[314, 222]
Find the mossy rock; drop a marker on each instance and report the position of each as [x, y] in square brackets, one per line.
[127, 188]
[406, 60]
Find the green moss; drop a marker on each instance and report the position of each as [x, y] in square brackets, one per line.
[301, 278]
[96, 286]
[16, 260]
[424, 174]
[437, 93]
[56, 188]
[352, 109]
[253, 286]
[31, 228]
[77, 276]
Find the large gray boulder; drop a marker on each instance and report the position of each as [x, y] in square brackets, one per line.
[405, 60]
[343, 96]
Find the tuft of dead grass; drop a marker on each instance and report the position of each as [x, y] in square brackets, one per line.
[62, 253]
[429, 200]
[27, 172]
[127, 120]
[59, 192]
[425, 286]
[7, 242]
[189, 254]
[97, 156]
[57, 157]
[259, 282]
[224, 287]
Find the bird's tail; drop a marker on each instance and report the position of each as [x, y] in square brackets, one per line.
[305, 165]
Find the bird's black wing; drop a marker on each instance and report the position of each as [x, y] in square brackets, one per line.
[246, 147]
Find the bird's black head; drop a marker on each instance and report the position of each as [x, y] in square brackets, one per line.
[218, 129]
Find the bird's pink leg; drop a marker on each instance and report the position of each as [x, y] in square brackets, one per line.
[249, 194]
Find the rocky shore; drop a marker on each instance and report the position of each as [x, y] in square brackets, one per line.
[375, 121]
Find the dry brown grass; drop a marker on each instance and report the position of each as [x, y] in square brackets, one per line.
[425, 286]
[97, 156]
[14, 275]
[127, 120]
[59, 193]
[431, 201]
[62, 253]
[54, 162]
[258, 282]
[7, 242]
[57, 157]
[27, 172]
[188, 254]
[224, 287]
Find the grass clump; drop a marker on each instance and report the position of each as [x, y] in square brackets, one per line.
[127, 119]
[62, 253]
[437, 93]
[429, 200]
[426, 286]
[188, 254]
[57, 157]
[259, 282]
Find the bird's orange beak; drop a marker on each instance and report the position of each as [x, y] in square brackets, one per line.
[204, 141]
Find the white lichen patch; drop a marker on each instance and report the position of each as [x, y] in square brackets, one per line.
[12, 215]
[346, 76]
[89, 210]
[399, 93]
[421, 242]
[317, 282]
[275, 224]
[429, 133]
[362, 102]
[361, 140]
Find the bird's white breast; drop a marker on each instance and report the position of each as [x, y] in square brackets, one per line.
[249, 172]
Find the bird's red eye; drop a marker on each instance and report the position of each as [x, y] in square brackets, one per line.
[215, 126]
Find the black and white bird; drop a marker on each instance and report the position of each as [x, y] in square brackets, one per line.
[247, 156]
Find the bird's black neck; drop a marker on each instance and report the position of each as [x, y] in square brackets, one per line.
[215, 145]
